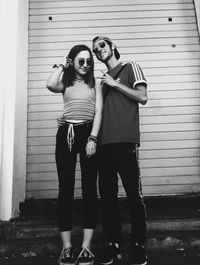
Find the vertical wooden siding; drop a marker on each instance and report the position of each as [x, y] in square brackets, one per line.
[162, 37]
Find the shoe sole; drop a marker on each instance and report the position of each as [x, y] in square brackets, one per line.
[119, 257]
[64, 263]
[85, 263]
[145, 263]
[105, 263]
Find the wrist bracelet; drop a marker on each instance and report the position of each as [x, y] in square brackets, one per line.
[92, 138]
[61, 65]
[58, 65]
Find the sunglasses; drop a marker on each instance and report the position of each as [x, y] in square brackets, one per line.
[101, 45]
[82, 61]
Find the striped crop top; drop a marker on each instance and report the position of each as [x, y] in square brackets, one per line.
[79, 102]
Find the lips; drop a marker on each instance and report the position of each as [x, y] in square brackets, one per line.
[84, 70]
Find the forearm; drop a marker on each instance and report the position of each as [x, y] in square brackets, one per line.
[139, 95]
[53, 82]
[96, 123]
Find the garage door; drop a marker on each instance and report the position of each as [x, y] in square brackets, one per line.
[162, 37]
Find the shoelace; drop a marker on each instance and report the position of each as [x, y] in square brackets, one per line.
[116, 247]
[70, 136]
[65, 253]
[82, 251]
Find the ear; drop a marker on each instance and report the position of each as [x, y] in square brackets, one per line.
[113, 46]
[69, 61]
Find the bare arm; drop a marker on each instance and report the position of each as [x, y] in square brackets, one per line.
[54, 83]
[139, 94]
[98, 110]
[91, 145]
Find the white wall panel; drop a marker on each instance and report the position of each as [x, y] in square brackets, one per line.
[162, 37]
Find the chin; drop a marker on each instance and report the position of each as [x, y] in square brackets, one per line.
[105, 58]
[102, 59]
[83, 73]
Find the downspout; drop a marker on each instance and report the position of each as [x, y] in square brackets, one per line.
[197, 11]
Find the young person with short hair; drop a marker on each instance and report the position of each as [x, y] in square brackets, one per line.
[124, 88]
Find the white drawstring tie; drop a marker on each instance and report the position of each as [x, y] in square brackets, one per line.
[70, 136]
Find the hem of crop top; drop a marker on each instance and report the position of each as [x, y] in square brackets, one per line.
[75, 121]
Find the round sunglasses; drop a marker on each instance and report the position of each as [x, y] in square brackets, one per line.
[82, 61]
[101, 45]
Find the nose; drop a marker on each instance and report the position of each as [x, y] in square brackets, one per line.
[100, 49]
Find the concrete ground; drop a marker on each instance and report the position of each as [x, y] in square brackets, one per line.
[154, 258]
[173, 236]
[163, 247]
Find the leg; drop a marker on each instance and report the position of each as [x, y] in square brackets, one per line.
[89, 193]
[129, 172]
[87, 237]
[67, 254]
[65, 162]
[108, 187]
[66, 239]
[86, 257]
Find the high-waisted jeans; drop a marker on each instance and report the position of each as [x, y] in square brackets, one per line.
[66, 162]
[120, 158]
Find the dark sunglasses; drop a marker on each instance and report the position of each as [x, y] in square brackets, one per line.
[82, 61]
[101, 45]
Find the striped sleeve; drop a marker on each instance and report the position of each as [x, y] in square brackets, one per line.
[138, 75]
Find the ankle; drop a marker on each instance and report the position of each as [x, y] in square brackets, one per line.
[66, 246]
[87, 246]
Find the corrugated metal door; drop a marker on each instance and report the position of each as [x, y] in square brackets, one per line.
[162, 37]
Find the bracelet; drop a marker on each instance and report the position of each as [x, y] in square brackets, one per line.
[92, 138]
[58, 65]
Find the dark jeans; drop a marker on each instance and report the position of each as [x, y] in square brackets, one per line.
[66, 162]
[120, 158]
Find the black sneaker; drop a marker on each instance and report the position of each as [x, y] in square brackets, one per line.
[110, 254]
[137, 255]
[66, 257]
[86, 257]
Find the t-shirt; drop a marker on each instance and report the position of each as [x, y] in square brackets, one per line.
[79, 102]
[120, 121]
